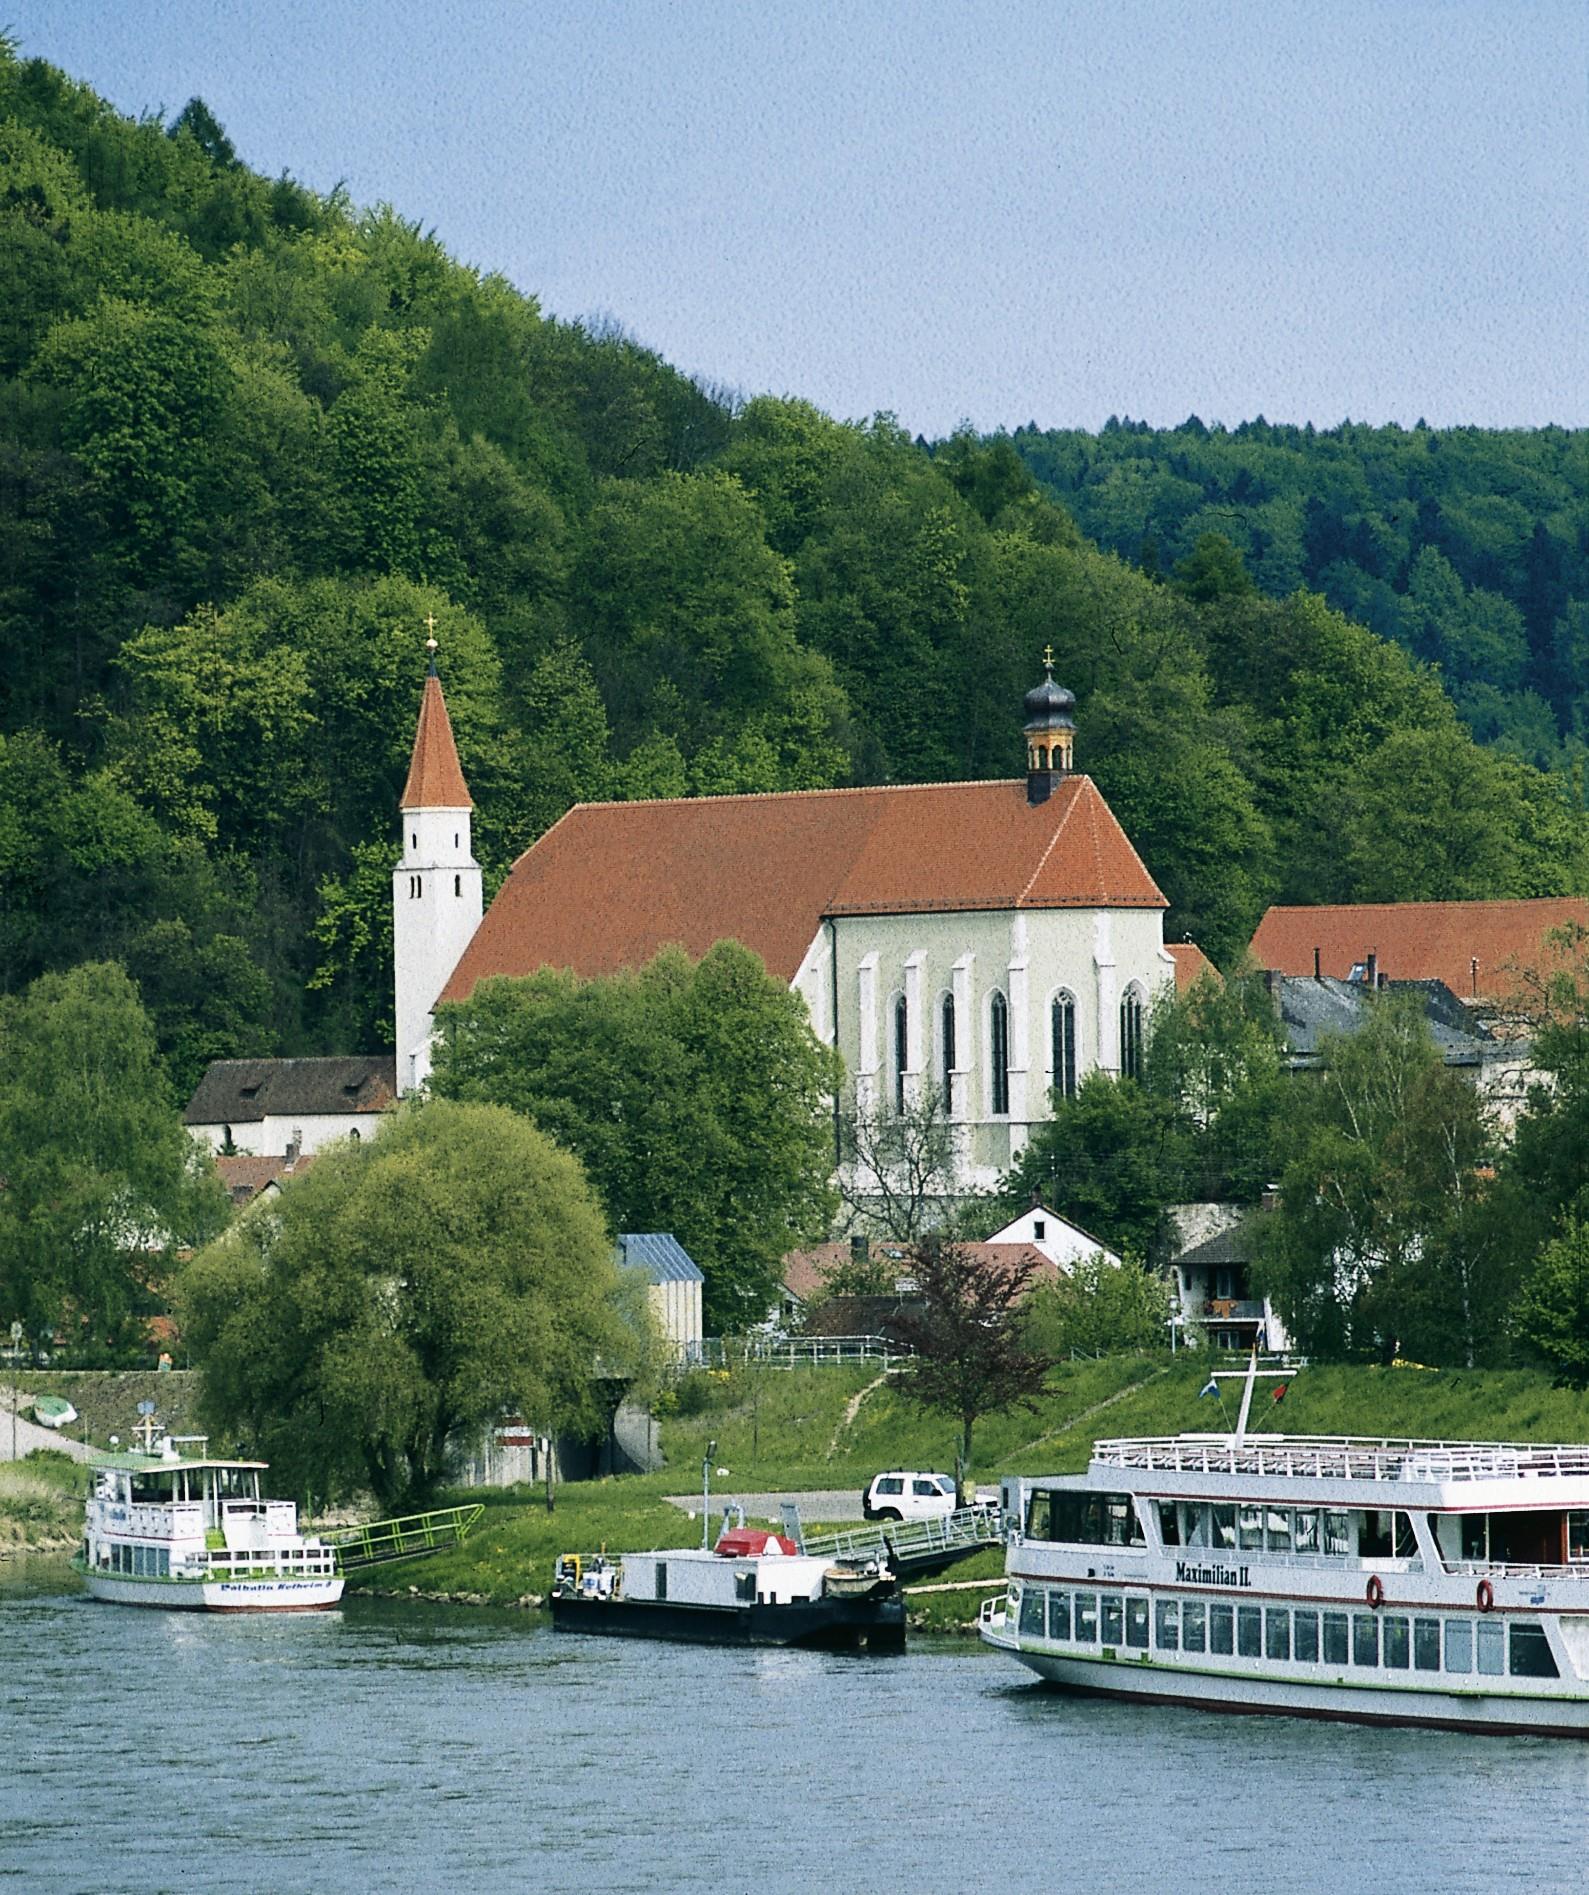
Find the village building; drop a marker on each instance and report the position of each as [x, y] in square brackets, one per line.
[1209, 1267]
[673, 1282]
[286, 1108]
[805, 1301]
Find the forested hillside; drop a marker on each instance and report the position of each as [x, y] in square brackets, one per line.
[1467, 546]
[251, 436]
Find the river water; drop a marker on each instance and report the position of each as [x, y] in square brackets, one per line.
[389, 1746]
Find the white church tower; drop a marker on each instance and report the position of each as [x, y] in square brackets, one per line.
[437, 897]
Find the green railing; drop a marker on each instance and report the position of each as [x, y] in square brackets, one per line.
[407, 1538]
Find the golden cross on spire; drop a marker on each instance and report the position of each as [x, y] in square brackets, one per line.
[1048, 657]
[430, 626]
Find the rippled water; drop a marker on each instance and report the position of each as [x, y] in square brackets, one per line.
[395, 1747]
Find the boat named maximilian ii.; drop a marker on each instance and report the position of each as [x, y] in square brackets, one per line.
[1398, 1582]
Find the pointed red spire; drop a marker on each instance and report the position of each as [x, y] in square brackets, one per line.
[435, 777]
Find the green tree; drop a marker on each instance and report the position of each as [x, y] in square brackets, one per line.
[695, 1095]
[1553, 1306]
[405, 1293]
[101, 1180]
[971, 1333]
[1101, 1308]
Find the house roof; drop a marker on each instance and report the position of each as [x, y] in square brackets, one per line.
[611, 883]
[435, 777]
[1418, 940]
[245, 1176]
[244, 1091]
[805, 1272]
[1310, 1009]
[1191, 964]
[659, 1254]
[1237, 1243]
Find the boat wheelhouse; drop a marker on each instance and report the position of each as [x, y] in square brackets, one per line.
[191, 1532]
[1407, 1582]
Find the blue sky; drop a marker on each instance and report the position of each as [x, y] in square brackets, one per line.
[998, 212]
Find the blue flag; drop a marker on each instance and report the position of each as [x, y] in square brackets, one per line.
[1211, 1387]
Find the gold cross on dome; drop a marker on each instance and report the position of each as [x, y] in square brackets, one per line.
[1048, 657]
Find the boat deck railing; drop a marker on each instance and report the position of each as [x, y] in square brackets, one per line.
[1343, 1457]
[406, 1538]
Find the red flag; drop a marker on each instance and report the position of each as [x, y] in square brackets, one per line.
[1279, 1394]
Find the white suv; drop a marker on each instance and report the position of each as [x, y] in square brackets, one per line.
[909, 1497]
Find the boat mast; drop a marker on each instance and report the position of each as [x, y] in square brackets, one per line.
[1249, 1376]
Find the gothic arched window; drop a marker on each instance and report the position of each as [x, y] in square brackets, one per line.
[1062, 1036]
[901, 1050]
[1131, 1021]
[947, 1049]
[999, 1049]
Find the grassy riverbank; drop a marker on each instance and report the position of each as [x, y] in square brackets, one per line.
[832, 1429]
[41, 1504]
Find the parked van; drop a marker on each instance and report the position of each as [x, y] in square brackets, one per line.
[898, 1496]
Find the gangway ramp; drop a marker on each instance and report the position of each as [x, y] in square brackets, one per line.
[915, 1546]
[406, 1538]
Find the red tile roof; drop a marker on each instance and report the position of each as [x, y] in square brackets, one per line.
[613, 882]
[435, 777]
[245, 1176]
[805, 1272]
[1191, 964]
[1418, 940]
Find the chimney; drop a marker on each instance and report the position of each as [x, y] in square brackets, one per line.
[1473, 970]
[1372, 976]
[1318, 972]
[294, 1146]
[1037, 1198]
[860, 1248]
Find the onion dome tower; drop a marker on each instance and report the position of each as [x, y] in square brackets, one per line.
[437, 896]
[1050, 732]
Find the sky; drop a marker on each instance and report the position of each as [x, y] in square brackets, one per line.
[1312, 210]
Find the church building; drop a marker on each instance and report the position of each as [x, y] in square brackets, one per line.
[983, 943]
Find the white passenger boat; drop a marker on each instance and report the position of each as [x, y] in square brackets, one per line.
[1397, 1582]
[170, 1525]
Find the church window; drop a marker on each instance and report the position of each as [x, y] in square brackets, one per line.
[1062, 1032]
[999, 1035]
[1131, 1034]
[413, 838]
[901, 1050]
[948, 1050]
[457, 884]
[455, 843]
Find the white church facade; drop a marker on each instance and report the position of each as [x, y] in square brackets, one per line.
[978, 944]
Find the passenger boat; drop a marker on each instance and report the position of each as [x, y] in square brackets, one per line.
[170, 1525]
[751, 1588]
[1394, 1582]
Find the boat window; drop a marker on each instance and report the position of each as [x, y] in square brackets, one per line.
[1249, 1631]
[1531, 1656]
[1306, 1528]
[1033, 1602]
[1337, 1533]
[1375, 1534]
[1093, 1519]
[1121, 1526]
[1335, 1638]
[151, 1489]
[1249, 1529]
[1194, 1525]
[1277, 1529]
[1578, 1536]
[1276, 1632]
[1221, 1629]
[1397, 1640]
[1059, 1615]
[662, 1579]
[1459, 1645]
[1194, 1620]
[1476, 1536]
[1487, 1648]
[1086, 1617]
[1365, 1639]
[1169, 1523]
[1167, 1625]
[1037, 1516]
[1406, 1539]
[1305, 1637]
[1111, 1618]
[1224, 1526]
[1137, 1623]
[1426, 1644]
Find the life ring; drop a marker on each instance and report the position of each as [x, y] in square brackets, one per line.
[1486, 1596]
[1375, 1591]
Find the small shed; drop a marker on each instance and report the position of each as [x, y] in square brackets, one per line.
[673, 1281]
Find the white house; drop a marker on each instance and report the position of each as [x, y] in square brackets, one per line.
[1063, 1243]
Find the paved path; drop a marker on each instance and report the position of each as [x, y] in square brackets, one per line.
[843, 1504]
[29, 1435]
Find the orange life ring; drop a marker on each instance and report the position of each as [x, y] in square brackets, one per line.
[1375, 1591]
[1486, 1596]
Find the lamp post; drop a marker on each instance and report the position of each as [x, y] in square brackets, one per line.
[706, 1494]
[16, 1393]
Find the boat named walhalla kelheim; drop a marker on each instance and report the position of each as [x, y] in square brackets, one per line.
[169, 1525]
[1435, 1583]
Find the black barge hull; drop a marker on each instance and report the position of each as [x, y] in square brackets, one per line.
[842, 1625]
